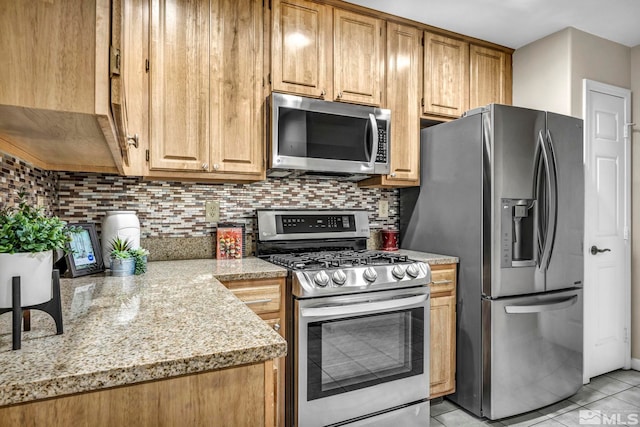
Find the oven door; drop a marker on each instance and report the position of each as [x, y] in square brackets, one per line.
[356, 355]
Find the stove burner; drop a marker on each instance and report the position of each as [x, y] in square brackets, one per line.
[335, 259]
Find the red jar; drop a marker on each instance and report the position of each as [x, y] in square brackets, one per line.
[389, 240]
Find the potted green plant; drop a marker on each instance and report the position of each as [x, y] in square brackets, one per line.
[28, 238]
[140, 257]
[122, 262]
[126, 261]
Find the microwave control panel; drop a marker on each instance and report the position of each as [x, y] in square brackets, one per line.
[381, 155]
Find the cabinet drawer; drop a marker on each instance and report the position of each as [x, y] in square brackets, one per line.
[263, 299]
[443, 281]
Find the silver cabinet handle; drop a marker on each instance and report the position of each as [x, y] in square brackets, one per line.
[363, 307]
[258, 301]
[441, 282]
[323, 93]
[540, 308]
[216, 166]
[205, 166]
[133, 140]
[393, 175]
[339, 95]
[276, 327]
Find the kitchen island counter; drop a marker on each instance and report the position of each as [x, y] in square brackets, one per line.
[176, 319]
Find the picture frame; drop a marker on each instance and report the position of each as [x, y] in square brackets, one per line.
[84, 254]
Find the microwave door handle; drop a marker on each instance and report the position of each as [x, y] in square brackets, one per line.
[374, 139]
[341, 310]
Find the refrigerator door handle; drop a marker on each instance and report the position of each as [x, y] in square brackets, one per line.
[558, 304]
[549, 207]
[553, 199]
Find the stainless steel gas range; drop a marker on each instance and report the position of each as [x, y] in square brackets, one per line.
[358, 322]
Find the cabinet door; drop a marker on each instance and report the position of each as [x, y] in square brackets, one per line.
[236, 86]
[179, 85]
[301, 48]
[446, 75]
[443, 331]
[403, 71]
[490, 77]
[129, 83]
[358, 68]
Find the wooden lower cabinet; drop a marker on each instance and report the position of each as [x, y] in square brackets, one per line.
[233, 397]
[266, 297]
[443, 330]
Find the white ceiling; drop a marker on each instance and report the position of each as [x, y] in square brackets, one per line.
[515, 23]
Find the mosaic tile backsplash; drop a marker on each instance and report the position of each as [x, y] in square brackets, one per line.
[40, 185]
[168, 209]
[176, 209]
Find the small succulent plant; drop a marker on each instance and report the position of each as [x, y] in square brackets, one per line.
[120, 248]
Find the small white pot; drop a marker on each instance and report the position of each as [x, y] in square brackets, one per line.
[34, 270]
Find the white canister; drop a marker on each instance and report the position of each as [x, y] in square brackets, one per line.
[122, 224]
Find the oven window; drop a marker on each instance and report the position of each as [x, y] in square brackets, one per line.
[357, 352]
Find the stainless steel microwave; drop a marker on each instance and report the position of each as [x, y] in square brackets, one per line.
[315, 138]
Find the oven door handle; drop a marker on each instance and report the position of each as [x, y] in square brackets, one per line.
[363, 307]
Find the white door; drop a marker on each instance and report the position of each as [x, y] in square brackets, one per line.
[607, 243]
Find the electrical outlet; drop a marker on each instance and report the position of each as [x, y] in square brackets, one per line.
[383, 208]
[212, 211]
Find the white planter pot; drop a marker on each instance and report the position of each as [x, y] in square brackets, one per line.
[34, 270]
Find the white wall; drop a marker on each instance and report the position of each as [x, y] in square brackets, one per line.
[596, 59]
[541, 74]
[548, 73]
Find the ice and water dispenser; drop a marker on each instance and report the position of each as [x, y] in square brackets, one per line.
[518, 233]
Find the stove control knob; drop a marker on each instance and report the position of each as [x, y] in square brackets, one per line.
[339, 277]
[413, 270]
[370, 274]
[397, 272]
[321, 279]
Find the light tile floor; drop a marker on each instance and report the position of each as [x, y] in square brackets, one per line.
[613, 399]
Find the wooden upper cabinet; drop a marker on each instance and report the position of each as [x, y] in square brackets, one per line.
[301, 48]
[179, 85]
[129, 81]
[358, 69]
[206, 94]
[236, 87]
[403, 74]
[490, 76]
[324, 52]
[446, 76]
[55, 106]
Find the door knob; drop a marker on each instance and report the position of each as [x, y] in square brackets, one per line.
[595, 250]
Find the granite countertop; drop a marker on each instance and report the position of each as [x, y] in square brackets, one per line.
[175, 319]
[429, 258]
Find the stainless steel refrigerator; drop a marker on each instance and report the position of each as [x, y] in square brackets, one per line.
[502, 189]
